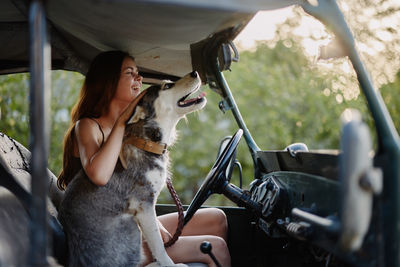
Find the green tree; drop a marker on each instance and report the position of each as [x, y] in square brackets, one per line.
[14, 109]
[390, 93]
[283, 97]
[376, 26]
[65, 90]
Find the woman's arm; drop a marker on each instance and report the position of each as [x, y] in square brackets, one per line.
[99, 161]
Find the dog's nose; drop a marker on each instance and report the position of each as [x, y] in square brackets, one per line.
[194, 74]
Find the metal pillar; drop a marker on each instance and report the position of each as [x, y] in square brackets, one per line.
[388, 154]
[39, 132]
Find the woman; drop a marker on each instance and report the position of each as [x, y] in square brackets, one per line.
[93, 142]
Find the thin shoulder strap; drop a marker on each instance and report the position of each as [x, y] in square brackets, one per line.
[101, 130]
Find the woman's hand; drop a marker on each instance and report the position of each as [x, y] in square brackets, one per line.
[127, 113]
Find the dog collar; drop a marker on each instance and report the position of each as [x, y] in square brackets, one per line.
[147, 145]
[143, 144]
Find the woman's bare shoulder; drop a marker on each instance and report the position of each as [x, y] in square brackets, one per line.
[87, 129]
[86, 122]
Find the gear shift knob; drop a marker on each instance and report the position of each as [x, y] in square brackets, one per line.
[206, 248]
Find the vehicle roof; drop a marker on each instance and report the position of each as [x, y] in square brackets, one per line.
[164, 36]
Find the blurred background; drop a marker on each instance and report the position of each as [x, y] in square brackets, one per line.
[285, 92]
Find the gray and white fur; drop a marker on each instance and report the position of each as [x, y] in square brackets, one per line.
[104, 224]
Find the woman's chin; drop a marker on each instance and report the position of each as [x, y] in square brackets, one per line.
[135, 92]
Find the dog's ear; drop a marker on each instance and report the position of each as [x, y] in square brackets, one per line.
[137, 115]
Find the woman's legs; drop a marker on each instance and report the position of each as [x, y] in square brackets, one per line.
[208, 221]
[208, 224]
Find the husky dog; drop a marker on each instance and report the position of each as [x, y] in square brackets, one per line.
[104, 223]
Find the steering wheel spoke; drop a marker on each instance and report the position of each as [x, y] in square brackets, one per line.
[216, 179]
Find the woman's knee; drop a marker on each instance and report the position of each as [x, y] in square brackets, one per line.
[219, 221]
[220, 250]
[218, 214]
[218, 244]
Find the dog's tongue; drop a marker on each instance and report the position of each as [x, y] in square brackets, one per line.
[201, 95]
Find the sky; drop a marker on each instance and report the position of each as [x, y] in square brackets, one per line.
[263, 27]
[383, 69]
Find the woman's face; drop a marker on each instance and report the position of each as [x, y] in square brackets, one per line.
[130, 81]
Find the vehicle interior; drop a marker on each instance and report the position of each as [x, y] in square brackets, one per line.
[303, 208]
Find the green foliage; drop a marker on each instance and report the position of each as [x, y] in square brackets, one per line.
[283, 99]
[390, 93]
[14, 106]
[376, 26]
[65, 90]
[14, 109]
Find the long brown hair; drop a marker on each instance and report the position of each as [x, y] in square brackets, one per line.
[96, 94]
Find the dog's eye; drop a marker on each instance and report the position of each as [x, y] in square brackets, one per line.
[168, 85]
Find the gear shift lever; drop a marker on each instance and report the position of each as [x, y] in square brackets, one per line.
[206, 248]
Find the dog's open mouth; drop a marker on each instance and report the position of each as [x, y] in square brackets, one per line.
[183, 102]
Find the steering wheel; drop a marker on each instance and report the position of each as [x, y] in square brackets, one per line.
[216, 178]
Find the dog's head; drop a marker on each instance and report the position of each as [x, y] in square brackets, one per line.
[158, 112]
[170, 100]
[180, 95]
[160, 109]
